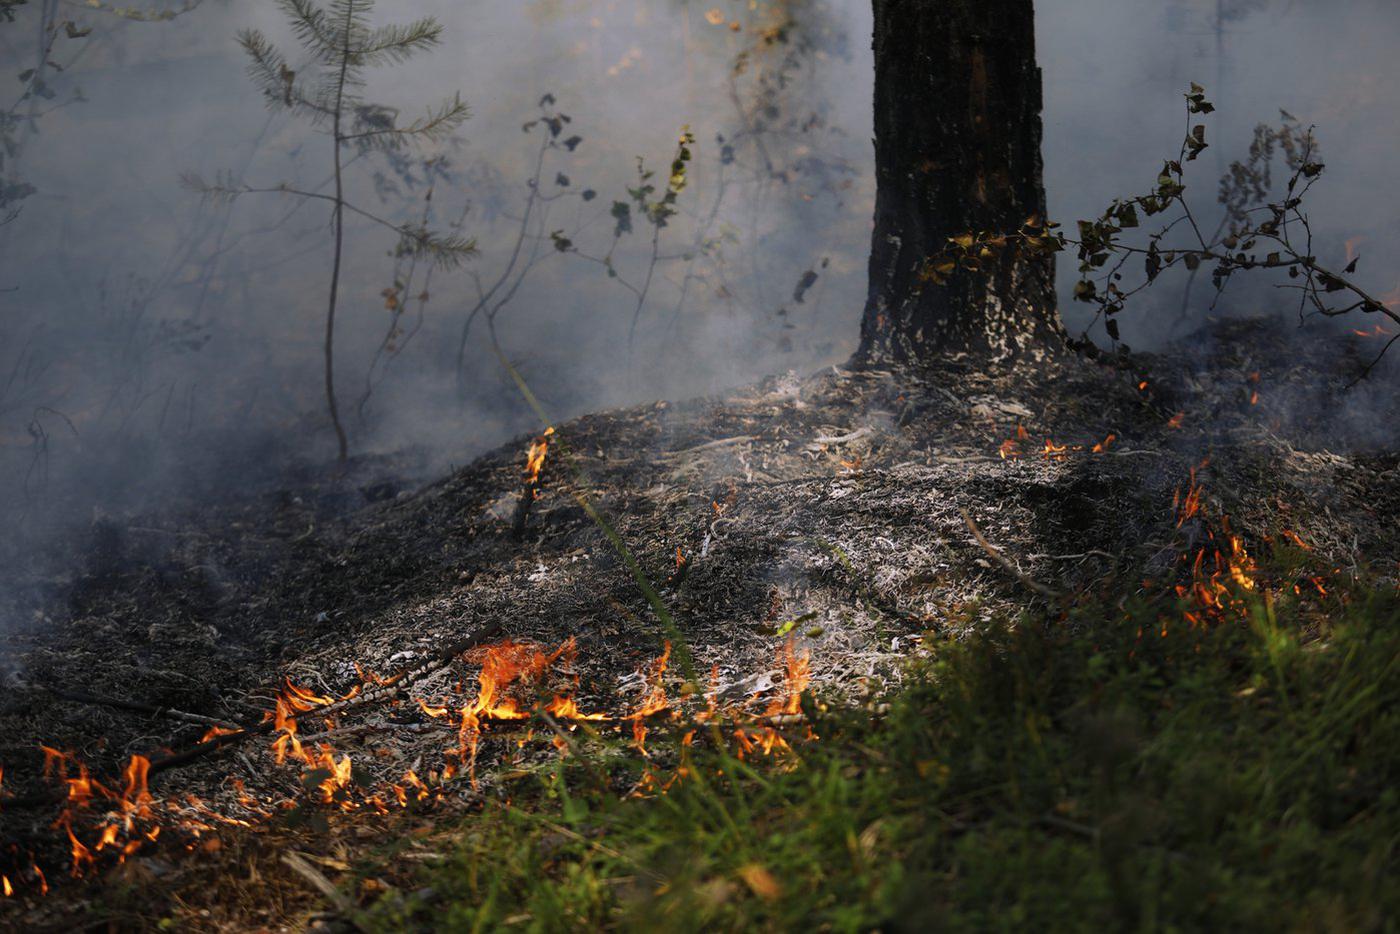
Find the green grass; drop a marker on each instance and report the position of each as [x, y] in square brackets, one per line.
[1043, 774]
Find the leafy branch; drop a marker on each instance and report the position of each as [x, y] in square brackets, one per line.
[1255, 233]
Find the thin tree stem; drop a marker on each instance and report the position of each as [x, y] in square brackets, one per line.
[339, 224]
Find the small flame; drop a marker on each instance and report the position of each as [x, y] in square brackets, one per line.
[1176, 420]
[655, 701]
[534, 460]
[1104, 445]
[799, 673]
[1011, 448]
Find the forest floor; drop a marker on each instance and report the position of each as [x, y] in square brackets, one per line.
[1035, 619]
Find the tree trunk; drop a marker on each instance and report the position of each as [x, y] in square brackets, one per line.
[957, 150]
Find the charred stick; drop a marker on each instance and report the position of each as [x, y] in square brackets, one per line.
[522, 509]
[118, 703]
[534, 464]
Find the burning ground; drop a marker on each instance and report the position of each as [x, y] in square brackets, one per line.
[211, 689]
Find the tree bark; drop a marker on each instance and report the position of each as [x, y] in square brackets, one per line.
[957, 150]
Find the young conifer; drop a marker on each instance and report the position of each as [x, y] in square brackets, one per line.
[343, 46]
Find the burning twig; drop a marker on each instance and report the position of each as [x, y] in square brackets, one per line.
[1006, 562]
[534, 463]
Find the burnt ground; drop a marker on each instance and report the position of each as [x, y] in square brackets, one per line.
[829, 507]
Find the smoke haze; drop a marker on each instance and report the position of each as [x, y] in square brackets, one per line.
[153, 340]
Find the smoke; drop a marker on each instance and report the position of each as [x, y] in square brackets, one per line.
[1114, 74]
[153, 342]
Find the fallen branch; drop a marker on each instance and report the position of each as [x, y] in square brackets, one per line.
[711, 445]
[83, 697]
[344, 905]
[1006, 563]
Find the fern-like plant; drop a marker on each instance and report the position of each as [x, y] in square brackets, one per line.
[342, 46]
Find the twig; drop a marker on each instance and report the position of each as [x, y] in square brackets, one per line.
[83, 697]
[343, 905]
[1006, 563]
[711, 445]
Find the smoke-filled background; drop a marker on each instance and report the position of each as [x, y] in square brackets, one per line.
[159, 341]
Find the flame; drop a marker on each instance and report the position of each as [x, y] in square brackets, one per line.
[338, 772]
[1189, 506]
[799, 673]
[655, 700]
[1377, 331]
[1055, 452]
[136, 796]
[502, 665]
[431, 710]
[534, 460]
[509, 671]
[1104, 445]
[1011, 447]
[1220, 568]
[1176, 420]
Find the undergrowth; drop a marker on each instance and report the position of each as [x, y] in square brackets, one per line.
[1111, 768]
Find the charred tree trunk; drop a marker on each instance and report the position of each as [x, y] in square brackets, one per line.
[957, 150]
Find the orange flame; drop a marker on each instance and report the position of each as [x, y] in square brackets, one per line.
[655, 700]
[534, 460]
[502, 664]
